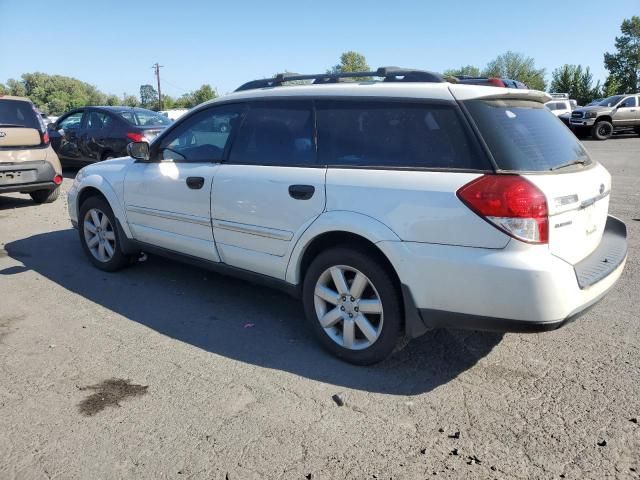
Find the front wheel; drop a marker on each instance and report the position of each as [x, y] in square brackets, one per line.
[602, 130]
[98, 235]
[353, 305]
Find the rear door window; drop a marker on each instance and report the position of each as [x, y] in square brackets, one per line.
[278, 133]
[523, 135]
[17, 113]
[98, 120]
[72, 122]
[395, 134]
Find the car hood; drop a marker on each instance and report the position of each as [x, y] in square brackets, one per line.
[594, 108]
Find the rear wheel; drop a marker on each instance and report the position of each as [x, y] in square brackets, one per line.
[45, 196]
[98, 235]
[353, 305]
[602, 130]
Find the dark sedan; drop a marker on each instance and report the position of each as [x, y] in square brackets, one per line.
[91, 134]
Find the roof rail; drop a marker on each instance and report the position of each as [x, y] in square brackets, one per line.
[390, 74]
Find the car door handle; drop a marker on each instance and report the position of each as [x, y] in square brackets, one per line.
[195, 183]
[301, 192]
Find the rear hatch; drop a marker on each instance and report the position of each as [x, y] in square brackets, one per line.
[525, 138]
[20, 126]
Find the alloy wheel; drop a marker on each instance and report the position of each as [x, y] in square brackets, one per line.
[99, 235]
[348, 307]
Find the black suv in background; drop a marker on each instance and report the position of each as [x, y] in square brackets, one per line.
[91, 134]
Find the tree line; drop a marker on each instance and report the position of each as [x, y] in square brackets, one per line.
[55, 94]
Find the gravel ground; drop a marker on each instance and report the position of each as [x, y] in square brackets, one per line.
[168, 371]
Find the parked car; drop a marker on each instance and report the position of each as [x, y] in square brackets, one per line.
[28, 164]
[491, 82]
[174, 113]
[618, 112]
[390, 207]
[92, 134]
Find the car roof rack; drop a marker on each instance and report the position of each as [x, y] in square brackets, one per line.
[389, 74]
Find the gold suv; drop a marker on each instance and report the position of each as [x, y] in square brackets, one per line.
[28, 164]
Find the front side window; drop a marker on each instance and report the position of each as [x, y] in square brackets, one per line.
[610, 101]
[276, 133]
[71, 122]
[394, 134]
[202, 137]
[628, 103]
[522, 135]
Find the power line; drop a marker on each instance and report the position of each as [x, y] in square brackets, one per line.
[157, 68]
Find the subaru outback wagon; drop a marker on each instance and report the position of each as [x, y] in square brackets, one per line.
[392, 205]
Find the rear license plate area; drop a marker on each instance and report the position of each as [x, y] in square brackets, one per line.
[17, 177]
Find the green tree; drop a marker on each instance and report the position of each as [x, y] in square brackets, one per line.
[576, 81]
[516, 66]
[467, 70]
[113, 100]
[624, 64]
[16, 88]
[130, 100]
[350, 62]
[168, 102]
[148, 96]
[203, 94]
[3, 89]
[610, 87]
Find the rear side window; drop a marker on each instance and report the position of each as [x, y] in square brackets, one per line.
[276, 133]
[16, 113]
[394, 134]
[145, 118]
[523, 135]
[99, 121]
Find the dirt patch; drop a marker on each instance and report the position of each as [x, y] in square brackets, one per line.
[109, 394]
[6, 324]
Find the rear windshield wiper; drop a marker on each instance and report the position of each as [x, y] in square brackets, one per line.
[579, 161]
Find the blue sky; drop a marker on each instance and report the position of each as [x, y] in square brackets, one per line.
[112, 44]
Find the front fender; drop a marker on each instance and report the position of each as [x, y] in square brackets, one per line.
[99, 183]
[337, 221]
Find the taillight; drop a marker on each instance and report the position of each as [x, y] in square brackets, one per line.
[57, 179]
[135, 137]
[511, 203]
[496, 82]
[44, 138]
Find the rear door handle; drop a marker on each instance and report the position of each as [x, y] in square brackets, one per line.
[301, 192]
[195, 183]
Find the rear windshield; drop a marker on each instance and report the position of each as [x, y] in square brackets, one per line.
[16, 113]
[526, 136]
[145, 118]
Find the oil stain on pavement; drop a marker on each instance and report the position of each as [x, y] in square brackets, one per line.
[109, 394]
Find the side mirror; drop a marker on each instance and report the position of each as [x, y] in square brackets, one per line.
[139, 151]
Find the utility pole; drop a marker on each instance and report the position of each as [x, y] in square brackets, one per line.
[157, 68]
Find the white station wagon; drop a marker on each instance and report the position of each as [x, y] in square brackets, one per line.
[391, 205]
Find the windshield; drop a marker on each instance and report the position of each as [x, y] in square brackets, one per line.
[17, 113]
[144, 118]
[611, 101]
[523, 135]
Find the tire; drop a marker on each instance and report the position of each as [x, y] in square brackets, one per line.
[45, 196]
[383, 329]
[91, 219]
[602, 130]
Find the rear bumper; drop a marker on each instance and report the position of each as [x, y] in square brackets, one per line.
[521, 288]
[26, 176]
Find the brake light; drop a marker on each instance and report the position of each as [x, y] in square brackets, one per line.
[511, 203]
[135, 137]
[44, 138]
[57, 179]
[496, 82]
